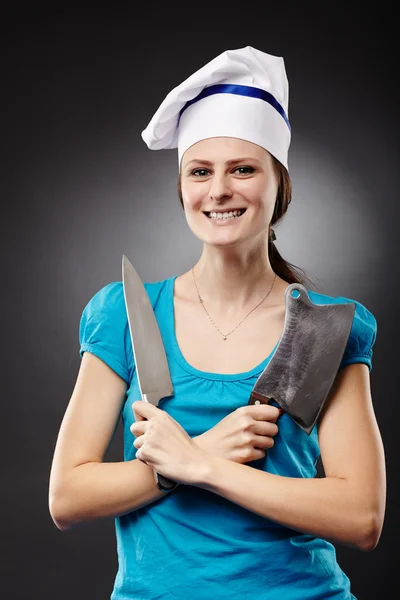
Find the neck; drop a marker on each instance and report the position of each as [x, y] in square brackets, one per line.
[231, 283]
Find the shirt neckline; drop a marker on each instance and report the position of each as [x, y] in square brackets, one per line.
[187, 366]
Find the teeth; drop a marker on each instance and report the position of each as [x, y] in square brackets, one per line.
[225, 215]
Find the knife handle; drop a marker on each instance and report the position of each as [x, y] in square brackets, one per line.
[256, 398]
[164, 484]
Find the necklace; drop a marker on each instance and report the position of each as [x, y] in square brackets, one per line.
[202, 304]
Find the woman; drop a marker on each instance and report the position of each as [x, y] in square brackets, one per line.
[248, 518]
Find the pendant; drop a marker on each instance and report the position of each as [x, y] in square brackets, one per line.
[224, 337]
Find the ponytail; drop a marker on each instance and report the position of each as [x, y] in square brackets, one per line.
[283, 268]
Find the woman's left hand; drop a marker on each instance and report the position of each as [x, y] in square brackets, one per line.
[165, 446]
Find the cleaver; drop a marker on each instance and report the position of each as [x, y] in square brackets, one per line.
[307, 357]
[148, 348]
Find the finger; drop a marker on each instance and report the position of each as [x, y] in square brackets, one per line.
[136, 413]
[139, 457]
[138, 443]
[261, 412]
[262, 428]
[259, 453]
[139, 428]
[263, 441]
[143, 410]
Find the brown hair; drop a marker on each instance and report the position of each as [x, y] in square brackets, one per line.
[284, 269]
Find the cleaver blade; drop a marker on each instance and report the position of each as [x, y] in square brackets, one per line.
[150, 359]
[306, 359]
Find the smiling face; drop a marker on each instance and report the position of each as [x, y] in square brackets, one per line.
[222, 174]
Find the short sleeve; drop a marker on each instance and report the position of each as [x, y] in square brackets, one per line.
[103, 328]
[362, 336]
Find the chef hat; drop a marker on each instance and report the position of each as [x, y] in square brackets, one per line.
[241, 93]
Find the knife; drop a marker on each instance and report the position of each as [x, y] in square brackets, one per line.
[150, 358]
[305, 361]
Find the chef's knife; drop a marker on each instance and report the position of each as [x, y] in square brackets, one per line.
[150, 359]
[302, 369]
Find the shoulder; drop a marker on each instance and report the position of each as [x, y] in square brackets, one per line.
[104, 328]
[363, 331]
[363, 317]
[110, 298]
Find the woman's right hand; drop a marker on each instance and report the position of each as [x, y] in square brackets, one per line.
[244, 435]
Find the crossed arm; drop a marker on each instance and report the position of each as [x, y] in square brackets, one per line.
[347, 505]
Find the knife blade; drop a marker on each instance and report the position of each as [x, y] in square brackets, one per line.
[150, 359]
[305, 361]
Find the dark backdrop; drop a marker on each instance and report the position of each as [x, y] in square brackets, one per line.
[80, 188]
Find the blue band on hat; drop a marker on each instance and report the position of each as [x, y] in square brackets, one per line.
[239, 90]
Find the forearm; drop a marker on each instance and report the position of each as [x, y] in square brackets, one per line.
[95, 490]
[327, 508]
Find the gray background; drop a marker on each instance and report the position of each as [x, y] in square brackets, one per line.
[80, 188]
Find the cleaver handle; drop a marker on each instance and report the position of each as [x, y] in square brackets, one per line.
[257, 398]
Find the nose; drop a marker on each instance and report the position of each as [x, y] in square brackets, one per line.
[219, 187]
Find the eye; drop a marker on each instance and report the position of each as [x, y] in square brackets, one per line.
[198, 171]
[249, 170]
[204, 172]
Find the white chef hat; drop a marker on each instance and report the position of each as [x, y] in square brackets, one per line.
[241, 93]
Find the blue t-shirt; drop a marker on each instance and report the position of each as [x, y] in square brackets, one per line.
[192, 543]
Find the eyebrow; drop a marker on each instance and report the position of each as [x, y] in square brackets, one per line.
[228, 163]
